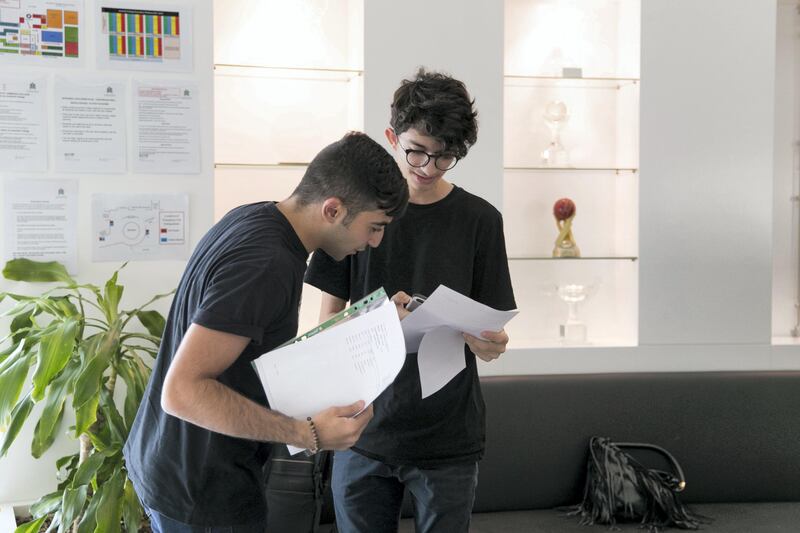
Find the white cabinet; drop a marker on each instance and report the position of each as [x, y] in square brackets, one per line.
[579, 59]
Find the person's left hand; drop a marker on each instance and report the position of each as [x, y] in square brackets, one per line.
[490, 347]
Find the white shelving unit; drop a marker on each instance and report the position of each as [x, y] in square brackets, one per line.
[586, 55]
[288, 81]
[786, 202]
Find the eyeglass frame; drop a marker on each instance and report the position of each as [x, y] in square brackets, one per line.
[435, 157]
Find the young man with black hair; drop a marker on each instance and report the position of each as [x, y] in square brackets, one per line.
[200, 439]
[448, 236]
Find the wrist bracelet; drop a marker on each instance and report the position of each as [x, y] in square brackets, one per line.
[315, 448]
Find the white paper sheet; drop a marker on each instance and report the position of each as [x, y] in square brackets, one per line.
[41, 221]
[352, 361]
[166, 133]
[441, 357]
[90, 127]
[129, 227]
[138, 35]
[23, 132]
[42, 32]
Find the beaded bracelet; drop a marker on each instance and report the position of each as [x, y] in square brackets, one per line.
[315, 448]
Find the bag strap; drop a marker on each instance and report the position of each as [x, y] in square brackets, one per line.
[662, 451]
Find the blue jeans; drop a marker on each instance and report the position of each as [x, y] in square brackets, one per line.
[368, 495]
[162, 524]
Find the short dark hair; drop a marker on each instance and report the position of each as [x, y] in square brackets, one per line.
[359, 172]
[438, 105]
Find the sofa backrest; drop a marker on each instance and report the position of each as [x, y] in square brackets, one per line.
[736, 434]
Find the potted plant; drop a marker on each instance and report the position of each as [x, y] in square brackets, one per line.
[79, 344]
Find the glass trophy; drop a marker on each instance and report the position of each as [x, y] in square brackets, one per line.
[555, 116]
[573, 330]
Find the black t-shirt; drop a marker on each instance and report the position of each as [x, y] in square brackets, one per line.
[458, 242]
[245, 277]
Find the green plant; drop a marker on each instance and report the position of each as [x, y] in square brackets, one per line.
[77, 356]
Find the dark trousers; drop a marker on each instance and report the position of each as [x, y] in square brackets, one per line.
[368, 495]
[162, 524]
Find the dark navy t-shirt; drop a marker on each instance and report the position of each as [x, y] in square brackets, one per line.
[245, 277]
[458, 242]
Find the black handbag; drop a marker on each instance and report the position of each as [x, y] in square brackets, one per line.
[296, 492]
[619, 488]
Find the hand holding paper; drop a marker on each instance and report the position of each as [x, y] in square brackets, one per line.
[435, 329]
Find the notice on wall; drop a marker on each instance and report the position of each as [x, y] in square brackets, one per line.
[90, 127]
[143, 36]
[23, 134]
[38, 31]
[41, 221]
[131, 227]
[166, 129]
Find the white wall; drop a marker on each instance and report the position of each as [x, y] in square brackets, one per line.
[707, 102]
[23, 479]
[464, 39]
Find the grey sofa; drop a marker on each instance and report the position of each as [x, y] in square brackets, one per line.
[736, 435]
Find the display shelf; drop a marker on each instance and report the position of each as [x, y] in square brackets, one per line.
[574, 169]
[583, 258]
[267, 71]
[595, 118]
[609, 312]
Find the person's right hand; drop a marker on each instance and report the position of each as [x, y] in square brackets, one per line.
[400, 300]
[336, 427]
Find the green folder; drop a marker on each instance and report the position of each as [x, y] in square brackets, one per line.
[365, 304]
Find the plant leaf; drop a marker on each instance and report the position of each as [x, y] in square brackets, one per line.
[131, 508]
[72, 505]
[18, 417]
[135, 390]
[46, 428]
[11, 382]
[55, 350]
[36, 271]
[153, 321]
[112, 294]
[86, 415]
[31, 527]
[98, 356]
[109, 510]
[89, 521]
[47, 504]
[117, 433]
[87, 469]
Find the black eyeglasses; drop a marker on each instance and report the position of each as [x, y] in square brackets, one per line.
[420, 158]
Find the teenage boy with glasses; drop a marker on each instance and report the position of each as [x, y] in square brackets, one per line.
[448, 236]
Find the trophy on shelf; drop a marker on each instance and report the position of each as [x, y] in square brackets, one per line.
[564, 212]
[573, 330]
[555, 116]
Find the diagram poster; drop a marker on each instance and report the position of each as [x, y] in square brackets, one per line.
[35, 30]
[131, 227]
[140, 36]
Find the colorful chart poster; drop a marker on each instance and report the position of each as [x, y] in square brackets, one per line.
[139, 36]
[31, 30]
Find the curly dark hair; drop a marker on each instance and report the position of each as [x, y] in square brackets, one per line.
[359, 172]
[438, 105]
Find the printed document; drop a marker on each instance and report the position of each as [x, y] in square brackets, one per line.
[434, 330]
[41, 221]
[90, 127]
[23, 134]
[355, 360]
